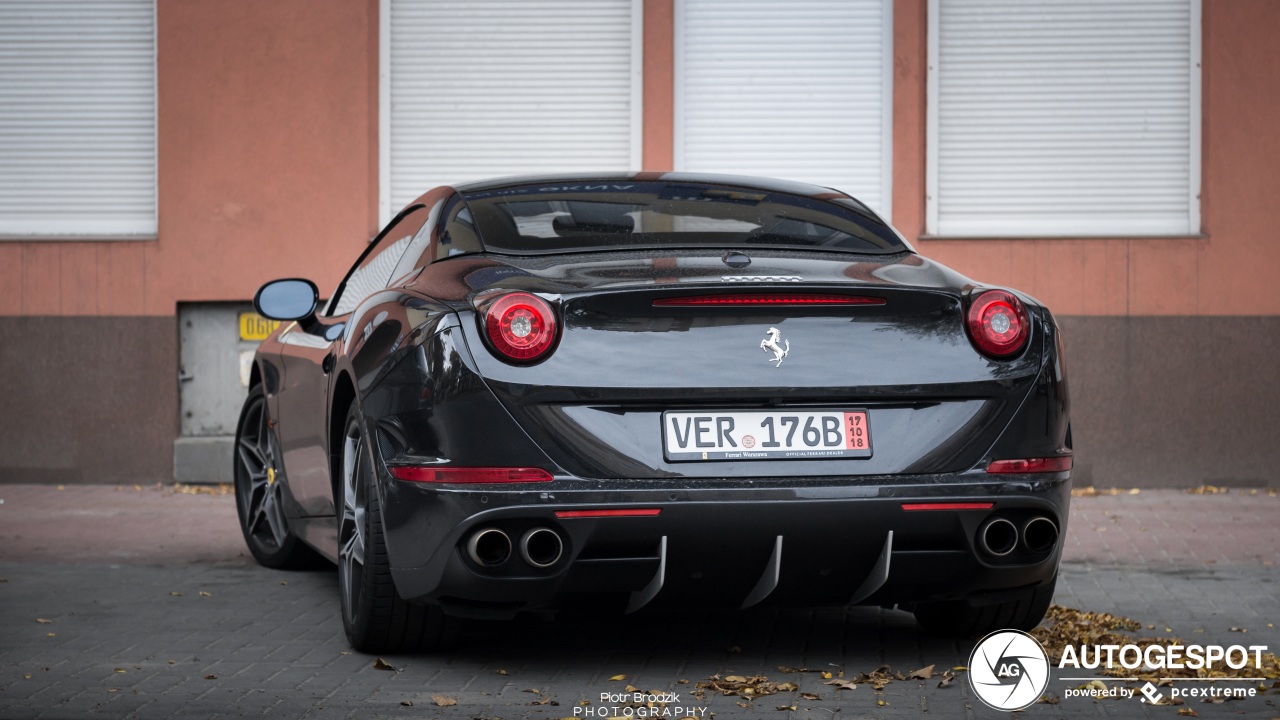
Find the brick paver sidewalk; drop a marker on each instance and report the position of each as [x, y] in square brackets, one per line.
[157, 612]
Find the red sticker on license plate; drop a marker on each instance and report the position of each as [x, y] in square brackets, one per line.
[857, 436]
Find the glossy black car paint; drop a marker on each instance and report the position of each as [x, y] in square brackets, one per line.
[413, 359]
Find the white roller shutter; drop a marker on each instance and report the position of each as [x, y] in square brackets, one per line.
[485, 88]
[1057, 118]
[799, 90]
[77, 118]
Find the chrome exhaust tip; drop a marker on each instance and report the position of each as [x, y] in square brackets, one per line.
[490, 547]
[1040, 534]
[998, 537]
[541, 547]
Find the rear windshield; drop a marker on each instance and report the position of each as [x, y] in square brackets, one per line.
[550, 218]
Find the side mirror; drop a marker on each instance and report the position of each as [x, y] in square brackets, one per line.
[289, 299]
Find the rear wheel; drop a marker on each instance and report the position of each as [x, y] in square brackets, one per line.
[958, 618]
[259, 483]
[375, 617]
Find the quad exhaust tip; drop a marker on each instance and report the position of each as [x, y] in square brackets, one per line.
[541, 547]
[1040, 534]
[998, 537]
[490, 547]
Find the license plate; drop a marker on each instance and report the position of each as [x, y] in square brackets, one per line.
[784, 434]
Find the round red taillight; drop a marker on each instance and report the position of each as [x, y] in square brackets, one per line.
[521, 326]
[997, 323]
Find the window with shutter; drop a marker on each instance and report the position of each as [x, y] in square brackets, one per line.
[800, 90]
[475, 89]
[1053, 118]
[77, 119]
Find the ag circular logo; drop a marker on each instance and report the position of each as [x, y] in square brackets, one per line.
[1008, 670]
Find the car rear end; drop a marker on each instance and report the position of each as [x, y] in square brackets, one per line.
[649, 425]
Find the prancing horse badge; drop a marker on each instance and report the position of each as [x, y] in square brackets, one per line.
[770, 344]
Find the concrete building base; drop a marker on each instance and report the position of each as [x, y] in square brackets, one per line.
[203, 460]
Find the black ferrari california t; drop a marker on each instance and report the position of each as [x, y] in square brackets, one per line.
[652, 390]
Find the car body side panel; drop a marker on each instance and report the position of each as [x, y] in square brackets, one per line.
[301, 423]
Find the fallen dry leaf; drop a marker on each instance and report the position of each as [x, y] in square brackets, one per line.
[810, 696]
[443, 700]
[792, 708]
[407, 703]
[120, 670]
[842, 684]
[502, 672]
[826, 675]
[535, 691]
[210, 677]
[948, 677]
[1096, 492]
[733, 649]
[1188, 712]
[202, 593]
[44, 621]
[923, 673]
[746, 687]
[617, 678]
[1237, 629]
[1070, 627]
[1049, 699]
[176, 594]
[380, 664]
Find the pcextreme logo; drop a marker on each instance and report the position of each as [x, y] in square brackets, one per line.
[1008, 670]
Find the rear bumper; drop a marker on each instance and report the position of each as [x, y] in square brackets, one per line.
[723, 543]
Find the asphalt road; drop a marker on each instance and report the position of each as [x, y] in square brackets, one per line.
[144, 603]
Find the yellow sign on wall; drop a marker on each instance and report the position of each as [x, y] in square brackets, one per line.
[255, 327]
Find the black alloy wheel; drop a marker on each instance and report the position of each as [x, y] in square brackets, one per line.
[259, 486]
[374, 616]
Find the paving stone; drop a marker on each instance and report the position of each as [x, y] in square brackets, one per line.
[1199, 565]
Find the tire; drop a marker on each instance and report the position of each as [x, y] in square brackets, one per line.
[259, 487]
[957, 618]
[374, 616]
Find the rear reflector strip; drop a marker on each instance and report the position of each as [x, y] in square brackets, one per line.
[468, 475]
[767, 299]
[911, 507]
[571, 514]
[1061, 463]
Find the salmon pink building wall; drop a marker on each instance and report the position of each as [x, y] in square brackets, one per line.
[1221, 272]
[268, 166]
[267, 147]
